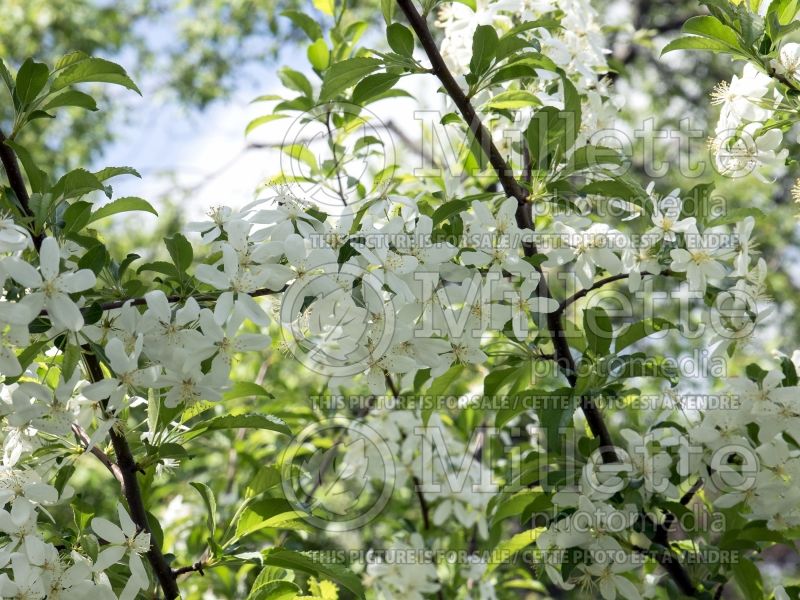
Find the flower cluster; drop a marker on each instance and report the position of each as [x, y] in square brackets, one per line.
[411, 291]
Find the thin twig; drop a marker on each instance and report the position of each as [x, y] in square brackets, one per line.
[141, 300]
[198, 567]
[109, 464]
[601, 283]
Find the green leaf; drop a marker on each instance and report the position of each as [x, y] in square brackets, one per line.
[246, 389]
[318, 565]
[267, 512]
[345, 74]
[39, 114]
[711, 27]
[484, 45]
[641, 365]
[372, 86]
[588, 157]
[400, 39]
[598, 330]
[211, 505]
[78, 183]
[785, 10]
[319, 55]
[555, 412]
[121, 205]
[633, 332]
[6, 76]
[450, 208]
[506, 549]
[70, 59]
[180, 250]
[95, 259]
[274, 590]
[304, 22]
[618, 187]
[76, 216]
[93, 70]
[748, 578]
[552, 132]
[36, 177]
[546, 137]
[572, 106]
[244, 421]
[31, 79]
[41, 206]
[110, 172]
[513, 99]
[264, 479]
[72, 356]
[159, 266]
[71, 98]
[326, 6]
[735, 215]
[303, 154]
[513, 505]
[259, 121]
[555, 401]
[439, 389]
[695, 43]
[295, 80]
[387, 9]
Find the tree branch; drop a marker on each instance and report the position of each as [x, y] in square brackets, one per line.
[585, 292]
[601, 283]
[133, 494]
[141, 300]
[198, 566]
[109, 464]
[482, 135]
[17, 183]
[525, 221]
[523, 215]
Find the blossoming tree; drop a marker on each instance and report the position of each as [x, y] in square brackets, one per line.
[518, 275]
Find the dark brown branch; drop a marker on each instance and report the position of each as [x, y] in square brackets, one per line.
[141, 300]
[17, 183]
[523, 216]
[601, 283]
[423, 504]
[692, 491]
[109, 464]
[584, 292]
[662, 531]
[482, 135]
[525, 221]
[133, 494]
[198, 567]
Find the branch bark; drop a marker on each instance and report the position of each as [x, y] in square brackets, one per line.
[525, 221]
[109, 464]
[17, 183]
[523, 215]
[133, 494]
